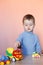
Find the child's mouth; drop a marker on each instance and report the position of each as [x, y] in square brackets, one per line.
[28, 28]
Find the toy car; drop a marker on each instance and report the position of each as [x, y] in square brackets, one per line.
[4, 60]
[35, 55]
[17, 54]
[14, 54]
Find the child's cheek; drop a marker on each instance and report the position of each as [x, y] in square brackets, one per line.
[31, 27]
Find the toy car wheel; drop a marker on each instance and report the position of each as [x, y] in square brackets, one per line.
[13, 59]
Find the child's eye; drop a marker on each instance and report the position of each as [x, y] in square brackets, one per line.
[30, 24]
[25, 25]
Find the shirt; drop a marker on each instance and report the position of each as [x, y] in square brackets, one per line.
[29, 43]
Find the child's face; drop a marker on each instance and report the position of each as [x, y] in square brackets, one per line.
[28, 25]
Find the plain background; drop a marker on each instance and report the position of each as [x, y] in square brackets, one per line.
[11, 14]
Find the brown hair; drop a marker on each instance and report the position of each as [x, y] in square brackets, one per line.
[29, 17]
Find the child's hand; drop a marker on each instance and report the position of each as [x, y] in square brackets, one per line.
[17, 44]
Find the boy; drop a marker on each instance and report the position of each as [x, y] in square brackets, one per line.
[28, 40]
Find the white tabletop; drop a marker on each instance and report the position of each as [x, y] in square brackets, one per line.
[28, 60]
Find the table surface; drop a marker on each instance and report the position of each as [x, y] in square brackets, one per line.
[28, 60]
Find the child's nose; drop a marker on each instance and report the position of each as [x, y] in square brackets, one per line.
[28, 27]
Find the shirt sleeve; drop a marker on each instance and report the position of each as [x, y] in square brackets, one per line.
[38, 46]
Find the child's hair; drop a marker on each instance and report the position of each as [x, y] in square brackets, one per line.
[29, 17]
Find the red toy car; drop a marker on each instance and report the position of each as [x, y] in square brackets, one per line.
[17, 54]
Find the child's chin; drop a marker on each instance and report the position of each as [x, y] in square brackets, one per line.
[29, 30]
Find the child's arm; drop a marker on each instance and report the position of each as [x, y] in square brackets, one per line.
[38, 47]
[19, 41]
